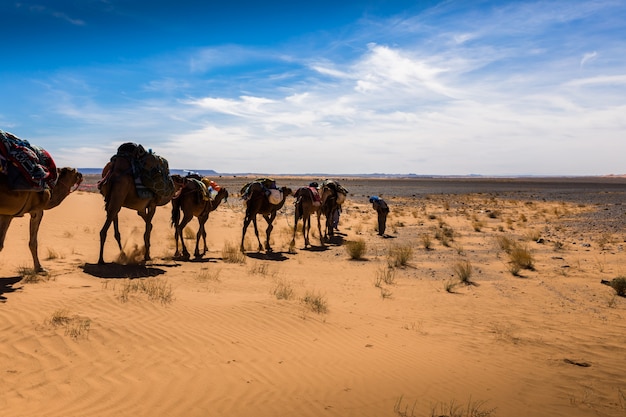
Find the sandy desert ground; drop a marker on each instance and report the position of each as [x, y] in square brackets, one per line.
[317, 333]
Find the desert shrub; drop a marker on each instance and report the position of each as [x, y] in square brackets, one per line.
[619, 285]
[282, 290]
[399, 255]
[356, 248]
[426, 241]
[533, 235]
[75, 326]
[156, 289]
[450, 284]
[444, 234]
[232, 254]
[463, 270]
[316, 302]
[386, 275]
[477, 225]
[505, 243]
[520, 258]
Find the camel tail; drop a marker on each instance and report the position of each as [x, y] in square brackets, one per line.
[175, 212]
[298, 208]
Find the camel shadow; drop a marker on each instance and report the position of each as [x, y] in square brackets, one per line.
[267, 256]
[335, 240]
[316, 248]
[113, 270]
[200, 260]
[6, 286]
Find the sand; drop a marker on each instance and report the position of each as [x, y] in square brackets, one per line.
[217, 338]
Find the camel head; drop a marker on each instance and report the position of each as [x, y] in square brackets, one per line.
[68, 178]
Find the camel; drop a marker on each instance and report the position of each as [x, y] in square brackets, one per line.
[190, 200]
[15, 203]
[119, 190]
[333, 195]
[305, 206]
[258, 203]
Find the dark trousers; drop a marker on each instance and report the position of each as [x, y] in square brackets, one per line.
[382, 222]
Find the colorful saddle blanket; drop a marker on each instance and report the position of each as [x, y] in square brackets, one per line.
[28, 167]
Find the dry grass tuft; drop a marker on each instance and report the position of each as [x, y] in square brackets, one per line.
[520, 258]
[463, 270]
[283, 290]
[156, 289]
[232, 254]
[385, 275]
[316, 302]
[30, 276]
[356, 248]
[427, 242]
[399, 255]
[75, 326]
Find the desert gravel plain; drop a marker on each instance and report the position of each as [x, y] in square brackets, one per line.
[432, 320]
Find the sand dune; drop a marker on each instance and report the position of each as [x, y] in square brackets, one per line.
[549, 342]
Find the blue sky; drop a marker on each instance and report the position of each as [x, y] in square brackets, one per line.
[425, 87]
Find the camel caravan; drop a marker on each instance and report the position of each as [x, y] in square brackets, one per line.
[140, 180]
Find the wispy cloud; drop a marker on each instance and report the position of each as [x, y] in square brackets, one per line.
[505, 89]
[56, 14]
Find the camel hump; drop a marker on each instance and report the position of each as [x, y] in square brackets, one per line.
[28, 167]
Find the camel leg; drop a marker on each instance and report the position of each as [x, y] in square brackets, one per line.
[269, 219]
[256, 233]
[246, 222]
[180, 228]
[295, 225]
[175, 223]
[147, 217]
[35, 221]
[116, 231]
[5, 221]
[319, 228]
[103, 235]
[306, 227]
[201, 233]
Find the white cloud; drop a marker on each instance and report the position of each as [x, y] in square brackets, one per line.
[589, 56]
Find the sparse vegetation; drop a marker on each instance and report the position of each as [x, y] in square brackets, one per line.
[356, 249]
[232, 254]
[450, 409]
[75, 326]
[618, 284]
[399, 255]
[520, 258]
[427, 242]
[505, 243]
[463, 270]
[156, 289]
[316, 302]
[385, 275]
[282, 290]
[30, 276]
[450, 284]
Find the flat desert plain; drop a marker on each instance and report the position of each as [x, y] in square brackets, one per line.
[485, 299]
